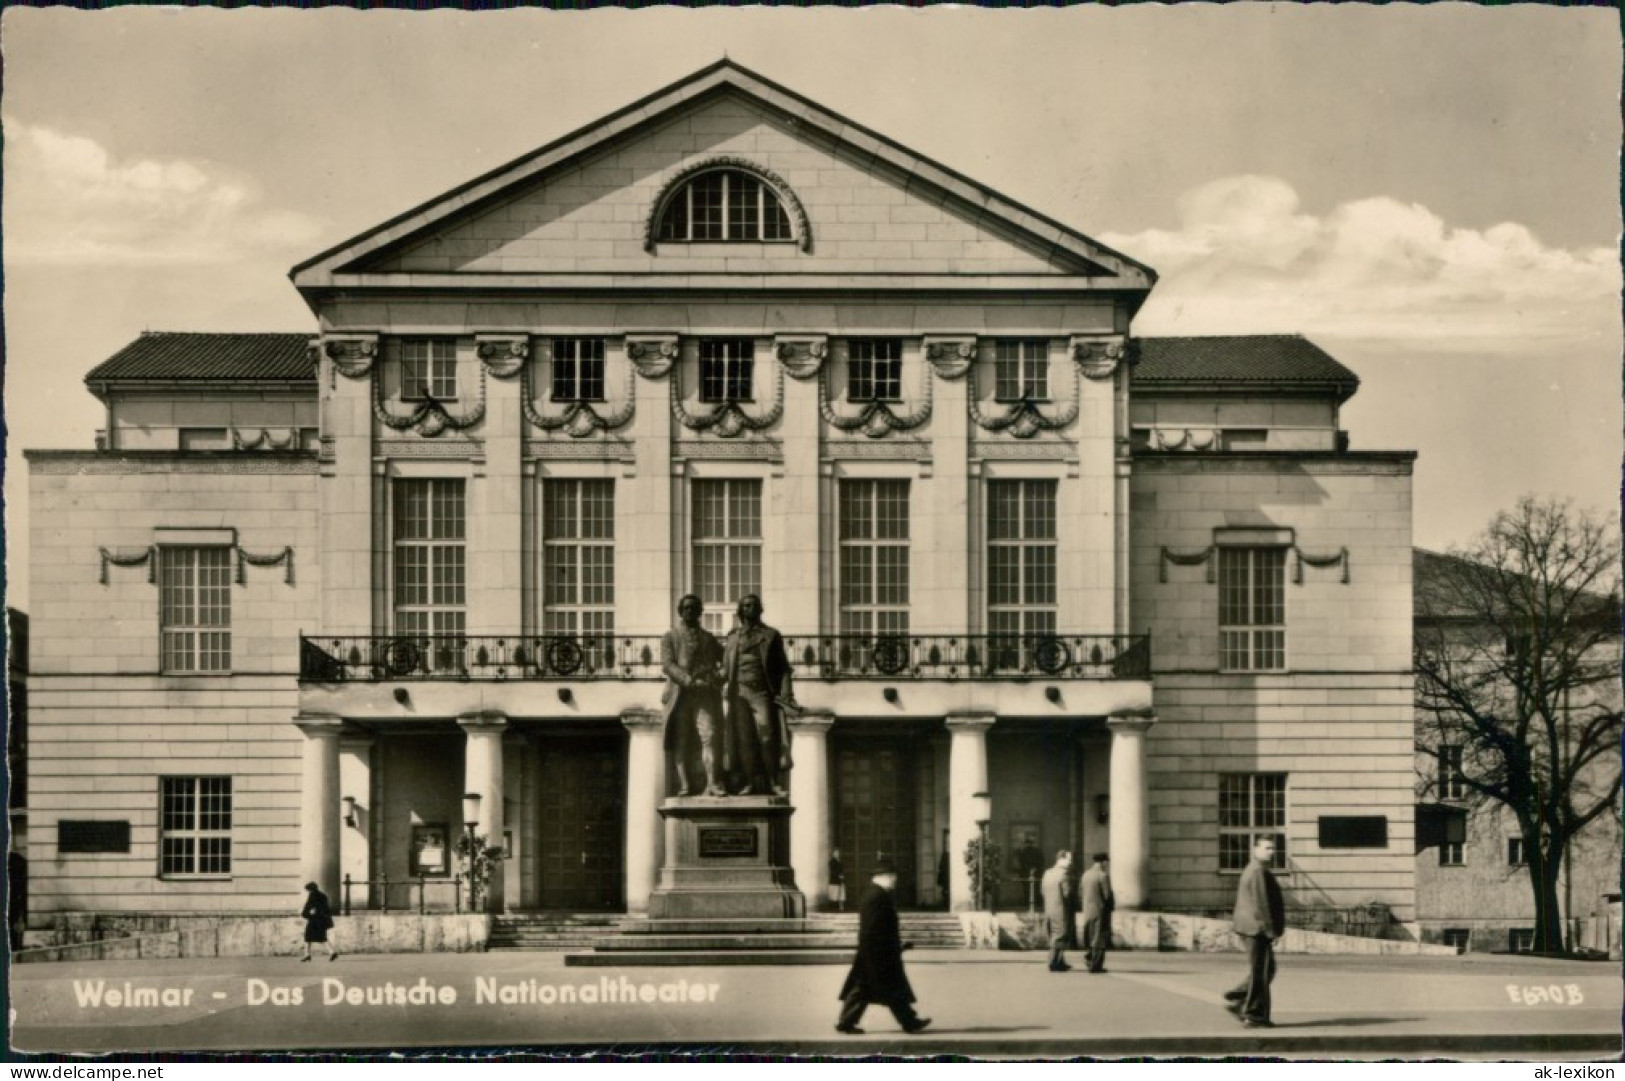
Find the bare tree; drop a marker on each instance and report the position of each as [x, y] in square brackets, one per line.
[1518, 666]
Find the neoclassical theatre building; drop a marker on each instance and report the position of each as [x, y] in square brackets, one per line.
[1097, 591]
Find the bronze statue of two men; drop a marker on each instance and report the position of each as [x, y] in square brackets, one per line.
[730, 699]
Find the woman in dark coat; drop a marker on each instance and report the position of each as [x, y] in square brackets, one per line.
[877, 971]
[318, 917]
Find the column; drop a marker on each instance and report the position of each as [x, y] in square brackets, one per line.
[967, 775]
[645, 788]
[482, 773]
[355, 845]
[809, 795]
[1130, 831]
[319, 796]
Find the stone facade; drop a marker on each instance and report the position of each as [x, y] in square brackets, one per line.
[1060, 530]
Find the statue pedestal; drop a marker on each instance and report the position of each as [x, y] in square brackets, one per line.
[727, 858]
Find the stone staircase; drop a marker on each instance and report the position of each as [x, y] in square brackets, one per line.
[551, 930]
[927, 930]
[830, 930]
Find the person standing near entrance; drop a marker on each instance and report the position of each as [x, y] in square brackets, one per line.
[837, 880]
[1098, 903]
[1260, 918]
[756, 694]
[877, 974]
[691, 657]
[1059, 904]
[318, 917]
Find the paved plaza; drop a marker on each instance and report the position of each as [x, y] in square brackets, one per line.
[983, 1004]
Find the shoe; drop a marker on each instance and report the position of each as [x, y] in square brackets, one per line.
[849, 1030]
[1234, 1007]
[1233, 995]
[1256, 1022]
[1095, 970]
[1062, 967]
[918, 1026]
[332, 957]
[306, 958]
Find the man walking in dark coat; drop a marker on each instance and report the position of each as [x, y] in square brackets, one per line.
[1098, 903]
[1260, 918]
[877, 972]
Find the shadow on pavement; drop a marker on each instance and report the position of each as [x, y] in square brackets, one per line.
[1345, 1022]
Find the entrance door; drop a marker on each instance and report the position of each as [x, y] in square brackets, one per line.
[875, 811]
[583, 823]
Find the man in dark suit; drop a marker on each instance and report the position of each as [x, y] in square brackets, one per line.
[756, 693]
[1060, 901]
[1098, 903]
[877, 971]
[1260, 918]
[691, 657]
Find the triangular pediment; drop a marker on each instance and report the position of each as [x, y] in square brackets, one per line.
[587, 204]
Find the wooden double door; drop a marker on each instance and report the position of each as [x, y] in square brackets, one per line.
[876, 810]
[581, 830]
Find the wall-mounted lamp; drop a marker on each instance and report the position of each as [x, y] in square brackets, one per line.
[403, 696]
[566, 695]
[349, 811]
[890, 695]
[1103, 807]
[1053, 694]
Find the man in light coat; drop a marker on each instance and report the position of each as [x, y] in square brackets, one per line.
[1060, 901]
[1260, 919]
[1098, 903]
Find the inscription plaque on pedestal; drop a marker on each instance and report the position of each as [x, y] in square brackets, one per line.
[722, 841]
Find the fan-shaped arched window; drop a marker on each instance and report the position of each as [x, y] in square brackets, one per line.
[724, 205]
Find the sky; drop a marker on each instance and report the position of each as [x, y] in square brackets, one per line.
[1431, 193]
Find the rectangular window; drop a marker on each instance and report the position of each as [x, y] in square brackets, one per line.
[578, 369]
[578, 564]
[1021, 371]
[1459, 937]
[430, 576]
[1516, 856]
[726, 368]
[874, 557]
[874, 371]
[195, 609]
[194, 839]
[1021, 566]
[1521, 939]
[428, 369]
[1251, 806]
[707, 197]
[1452, 785]
[727, 535]
[1452, 854]
[1252, 609]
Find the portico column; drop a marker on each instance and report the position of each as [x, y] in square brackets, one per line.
[645, 788]
[482, 773]
[809, 795]
[319, 801]
[967, 776]
[1130, 831]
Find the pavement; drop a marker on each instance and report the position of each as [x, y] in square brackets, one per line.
[983, 1004]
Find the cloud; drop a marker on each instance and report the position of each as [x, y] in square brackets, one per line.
[68, 202]
[1247, 259]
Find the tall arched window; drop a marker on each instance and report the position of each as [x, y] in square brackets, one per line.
[724, 205]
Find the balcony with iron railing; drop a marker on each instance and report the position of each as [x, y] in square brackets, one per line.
[378, 658]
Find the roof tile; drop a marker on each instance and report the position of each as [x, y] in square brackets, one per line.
[169, 355]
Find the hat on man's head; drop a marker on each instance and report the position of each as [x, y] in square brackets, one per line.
[310, 885]
[1102, 857]
[884, 866]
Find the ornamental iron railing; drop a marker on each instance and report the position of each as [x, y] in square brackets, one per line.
[374, 658]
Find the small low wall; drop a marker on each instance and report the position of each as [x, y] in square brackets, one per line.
[101, 938]
[1176, 932]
